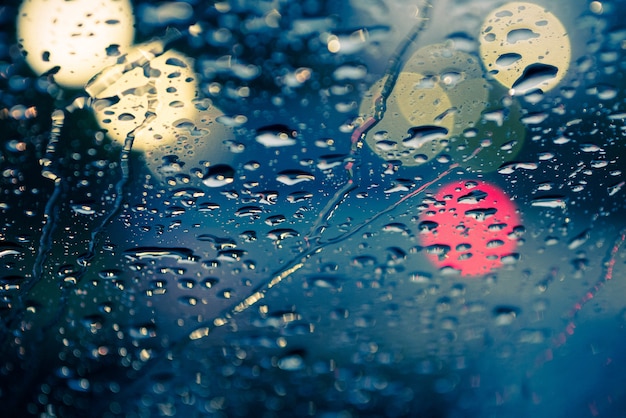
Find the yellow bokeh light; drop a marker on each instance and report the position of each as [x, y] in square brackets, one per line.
[525, 47]
[460, 76]
[410, 107]
[440, 93]
[79, 37]
[159, 104]
[140, 89]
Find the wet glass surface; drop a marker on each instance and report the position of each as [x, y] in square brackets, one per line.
[311, 208]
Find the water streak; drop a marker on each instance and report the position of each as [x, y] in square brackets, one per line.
[313, 238]
[51, 211]
[570, 318]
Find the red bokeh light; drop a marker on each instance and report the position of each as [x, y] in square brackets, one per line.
[469, 226]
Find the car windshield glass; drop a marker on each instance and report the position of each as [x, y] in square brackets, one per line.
[312, 208]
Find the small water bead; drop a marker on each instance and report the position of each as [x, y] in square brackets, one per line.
[299, 196]
[110, 274]
[550, 201]
[158, 253]
[282, 234]
[615, 188]
[143, 331]
[210, 282]
[186, 283]
[505, 60]
[363, 261]
[208, 206]
[421, 135]
[84, 208]
[324, 282]
[219, 175]
[12, 282]
[275, 220]
[505, 315]
[533, 77]
[248, 236]
[276, 136]
[230, 256]
[226, 294]
[188, 300]
[293, 177]
[291, 362]
[106, 307]
[349, 72]
[249, 211]
[427, 226]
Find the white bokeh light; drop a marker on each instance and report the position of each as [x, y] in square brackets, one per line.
[80, 37]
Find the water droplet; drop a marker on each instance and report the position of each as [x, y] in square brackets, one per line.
[282, 234]
[210, 282]
[218, 176]
[143, 331]
[534, 76]
[578, 240]
[188, 300]
[291, 177]
[8, 249]
[426, 227]
[291, 362]
[230, 256]
[324, 282]
[517, 35]
[84, 208]
[249, 211]
[505, 315]
[276, 136]
[472, 197]
[158, 253]
[110, 274]
[275, 220]
[550, 202]
[507, 59]
[424, 135]
[612, 190]
[299, 196]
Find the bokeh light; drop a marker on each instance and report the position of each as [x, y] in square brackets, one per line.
[145, 90]
[77, 37]
[440, 93]
[525, 47]
[161, 99]
[280, 258]
[468, 227]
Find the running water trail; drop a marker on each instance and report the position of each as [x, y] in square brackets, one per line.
[567, 332]
[119, 191]
[50, 217]
[48, 170]
[84, 261]
[380, 104]
[570, 327]
[313, 239]
[100, 85]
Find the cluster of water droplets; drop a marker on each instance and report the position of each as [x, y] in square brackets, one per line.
[185, 266]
